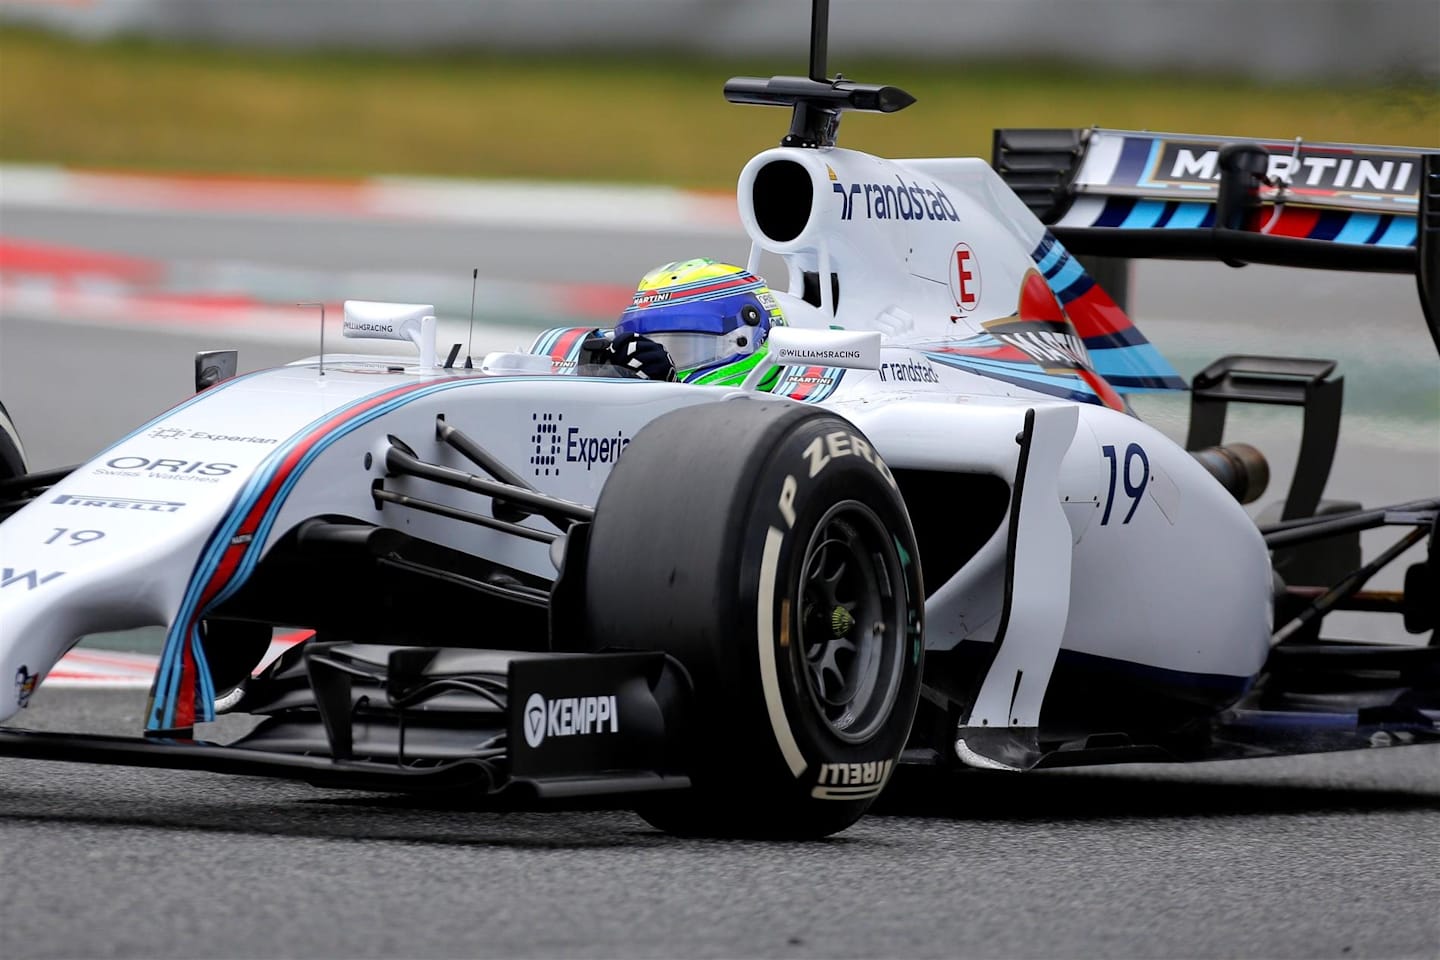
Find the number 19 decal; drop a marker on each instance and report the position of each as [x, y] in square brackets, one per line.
[1132, 490]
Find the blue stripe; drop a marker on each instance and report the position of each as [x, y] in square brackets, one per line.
[1109, 341]
[1170, 207]
[1070, 272]
[1145, 214]
[1188, 216]
[1137, 360]
[1020, 374]
[1115, 212]
[1359, 229]
[1400, 233]
[1135, 160]
[1329, 225]
[169, 671]
[1051, 257]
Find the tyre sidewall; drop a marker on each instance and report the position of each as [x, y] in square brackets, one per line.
[822, 462]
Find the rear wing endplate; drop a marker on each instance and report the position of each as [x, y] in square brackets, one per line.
[1130, 194]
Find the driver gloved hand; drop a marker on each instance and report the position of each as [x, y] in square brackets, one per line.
[641, 356]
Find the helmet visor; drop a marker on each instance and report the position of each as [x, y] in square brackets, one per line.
[690, 350]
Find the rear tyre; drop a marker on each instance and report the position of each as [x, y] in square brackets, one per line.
[765, 546]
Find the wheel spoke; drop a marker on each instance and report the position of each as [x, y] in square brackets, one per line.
[851, 668]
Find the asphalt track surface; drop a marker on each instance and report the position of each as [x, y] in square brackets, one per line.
[1324, 856]
[1330, 856]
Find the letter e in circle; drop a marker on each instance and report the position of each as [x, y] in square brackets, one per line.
[965, 277]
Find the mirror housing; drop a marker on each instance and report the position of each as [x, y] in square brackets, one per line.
[795, 346]
[381, 320]
[215, 366]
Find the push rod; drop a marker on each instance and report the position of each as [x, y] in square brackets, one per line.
[398, 461]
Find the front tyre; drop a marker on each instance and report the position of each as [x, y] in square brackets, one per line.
[765, 546]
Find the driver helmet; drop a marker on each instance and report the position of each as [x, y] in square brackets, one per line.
[713, 318]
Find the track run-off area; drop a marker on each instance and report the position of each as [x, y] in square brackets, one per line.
[109, 285]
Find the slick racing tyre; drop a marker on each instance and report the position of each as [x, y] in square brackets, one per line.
[765, 546]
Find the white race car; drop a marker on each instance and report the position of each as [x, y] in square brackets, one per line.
[924, 526]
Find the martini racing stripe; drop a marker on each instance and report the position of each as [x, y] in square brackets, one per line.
[1017, 374]
[810, 384]
[562, 344]
[182, 693]
[1307, 223]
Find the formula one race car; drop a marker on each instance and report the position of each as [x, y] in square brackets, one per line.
[921, 526]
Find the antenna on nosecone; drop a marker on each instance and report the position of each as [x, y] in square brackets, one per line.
[470, 339]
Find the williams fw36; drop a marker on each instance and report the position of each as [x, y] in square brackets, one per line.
[924, 527]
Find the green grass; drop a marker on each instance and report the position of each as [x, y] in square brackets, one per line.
[138, 105]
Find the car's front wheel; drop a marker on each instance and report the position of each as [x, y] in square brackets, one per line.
[765, 546]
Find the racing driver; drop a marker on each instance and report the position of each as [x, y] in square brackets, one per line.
[697, 321]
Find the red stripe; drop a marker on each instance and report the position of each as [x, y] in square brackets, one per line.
[1094, 314]
[1102, 389]
[1003, 352]
[1293, 222]
[563, 346]
[235, 552]
[805, 389]
[185, 702]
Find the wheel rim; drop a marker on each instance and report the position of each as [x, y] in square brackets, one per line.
[852, 621]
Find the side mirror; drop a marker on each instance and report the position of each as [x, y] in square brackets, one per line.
[851, 349]
[379, 320]
[215, 366]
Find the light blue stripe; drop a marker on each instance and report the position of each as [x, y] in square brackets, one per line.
[1358, 228]
[1135, 360]
[170, 662]
[1051, 258]
[1019, 370]
[1145, 214]
[1188, 215]
[1400, 233]
[1070, 272]
[1147, 176]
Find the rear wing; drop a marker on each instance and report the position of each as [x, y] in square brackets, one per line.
[1130, 194]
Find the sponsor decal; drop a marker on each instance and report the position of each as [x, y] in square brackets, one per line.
[546, 437]
[553, 439]
[1052, 344]
[799, 379]
[851, 781]
[816, 353]
[118, 503]
[820, 452]
[9, 576]
[25, 682]
[1313, 168]
[854, 774]
[181, 433]
[964, 278]
[370, 326]
[648, 298]
[894, 201]
[200, 471]
[911, 371]
[580, 448]
[569, 717]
